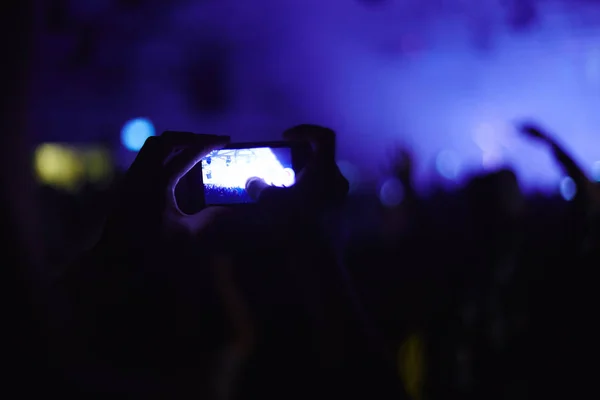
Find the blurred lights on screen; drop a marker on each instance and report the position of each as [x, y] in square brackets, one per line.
[596, 171]
[68, 167]
[135, 132]
[447, 164]
[391, 193]
[233, 168]
[568, 188]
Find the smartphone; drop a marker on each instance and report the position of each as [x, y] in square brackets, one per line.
[226, 171]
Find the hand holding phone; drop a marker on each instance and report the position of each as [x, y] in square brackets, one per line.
[319, 184]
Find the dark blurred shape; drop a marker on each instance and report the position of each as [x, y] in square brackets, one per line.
[23, 352]
[403, 165]
[85, 48]
[57, 16]
[522, 14]
[482, 37]
[532, 130]
[130, 4]
[254, 186]
[496, 201]
[206, 80]
[411, 44]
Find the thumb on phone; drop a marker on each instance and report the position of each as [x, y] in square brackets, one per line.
[255, 186]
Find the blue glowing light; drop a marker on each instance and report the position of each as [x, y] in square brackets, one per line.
[447, 164]
[568, 189]
[135, 132]
[391, 193]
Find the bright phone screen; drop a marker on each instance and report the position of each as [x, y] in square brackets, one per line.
[226, 171]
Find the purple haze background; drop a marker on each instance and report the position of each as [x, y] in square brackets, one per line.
[450, 76]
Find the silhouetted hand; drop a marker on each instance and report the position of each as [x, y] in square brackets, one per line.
[122, 297]
[309, 266]
[319, 186]
[291, 215]
[533, 131]
[588, 194]
[146, 212]
[566, 161]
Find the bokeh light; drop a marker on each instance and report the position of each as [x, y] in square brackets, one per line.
[98, 165]
[67, 167]
[287, 177]
[568, 188]
[58, 166]
[351, 173]
[135, 132]
[447, 164]
[391, 193]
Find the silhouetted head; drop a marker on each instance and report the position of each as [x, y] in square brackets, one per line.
[496, 201]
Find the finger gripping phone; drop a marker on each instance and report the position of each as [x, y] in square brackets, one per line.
[226, 172]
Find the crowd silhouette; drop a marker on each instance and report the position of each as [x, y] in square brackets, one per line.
[457, 294]
[218, 195]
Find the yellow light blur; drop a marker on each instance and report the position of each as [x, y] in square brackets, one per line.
[411, 365]
[59, 166]
[98, 165]
[67, 167]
